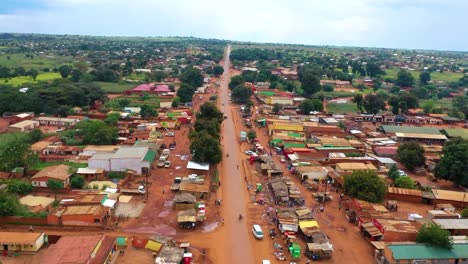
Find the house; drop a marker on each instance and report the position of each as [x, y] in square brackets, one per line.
[385, 151]
[350, 167]
[279, 100]
[23, 126]
[21, 242]
[86, 215]
[456, 227]
[428, 135]
[401, 194]
[92, 249]
[57, 121]
[91, 174]
[138, 159]
[457, 199]
[406, 252]
[328, 121]
[60, 173]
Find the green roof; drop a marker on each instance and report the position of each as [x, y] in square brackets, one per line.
[422, 251]
[295, 145]
[266, 93]
[294, 135]
[456, 132]
[333, 148]
[150, 156]
[450, 118]
[411, 129]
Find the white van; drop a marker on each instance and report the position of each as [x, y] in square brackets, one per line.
[257, 231]
[266, 261]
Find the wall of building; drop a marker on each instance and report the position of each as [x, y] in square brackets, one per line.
[404, 197]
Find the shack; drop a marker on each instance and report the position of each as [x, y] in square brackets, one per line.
[187, 219]
[287, 220]
[407, 195]
[280, 190]
[456, 227]
[21, 242]
[184, 201]
[170, 255]
[200, 191]
[317, 251]
[311, 172]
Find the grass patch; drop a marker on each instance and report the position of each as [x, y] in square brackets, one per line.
[116, 87]
[137, 100]
[41, 165]
[20, 80]
[342, 108]
[38, 62]
[435, 76]
[441, 103]
[137, 76]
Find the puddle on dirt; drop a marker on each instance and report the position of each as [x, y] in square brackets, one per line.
[210, 227]
[163, 214]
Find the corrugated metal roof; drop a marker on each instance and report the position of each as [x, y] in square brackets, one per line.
[411, 129]
[423, 251]
[419, 135]
[452, 223]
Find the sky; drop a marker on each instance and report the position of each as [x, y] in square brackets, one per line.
[412, 24]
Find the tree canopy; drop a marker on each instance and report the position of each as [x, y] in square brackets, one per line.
[403, 102]
[77, 182]
[236, 81]
[15, 151]
[373, 103]
[97, 132]
[309, 76]
[55, 186]
[434, 235]
[241, 94]
[147, 112]
[411, 154]
[365, 185]
[310, 105]
[185, 92]
[404, 79]
[192, 76]
[359, 100]
[453, 165]
[424, 77]
[393, 172]
[218, 70]
[405, 182]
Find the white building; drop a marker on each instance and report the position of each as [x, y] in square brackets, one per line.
[132, 158]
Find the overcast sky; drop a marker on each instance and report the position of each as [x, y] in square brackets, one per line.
[420, 24]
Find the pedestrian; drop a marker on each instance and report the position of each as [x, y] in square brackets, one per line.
[339, 206]
[220, 184]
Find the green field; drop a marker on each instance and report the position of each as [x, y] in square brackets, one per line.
[41, 165]
[38, 62]
[135, 76]
[435, 76]
[342, 108]
[116, 87]
[20, 80]
[137, 100]
[441, 103]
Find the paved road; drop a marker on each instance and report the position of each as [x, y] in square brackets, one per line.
[237, 237]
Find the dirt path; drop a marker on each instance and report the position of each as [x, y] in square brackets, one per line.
[237, 241]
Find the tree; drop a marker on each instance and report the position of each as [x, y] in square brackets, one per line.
[15, 152]
[147, 112]
[393, 172]
[460, 103]
[112, 118]
[175, 102]
[373, 70]
[464, 213]
[218, 70]
[9, 204]
[365, 185]
[55, 186]
[97, 132]
[276, 108]
[35, 135]
[192, 76]
[424, 77]
[405, 182]
[358, 99]
[453, 165]
[158, 76]
[404, 79]
[77, 182]
[428, 106]
[123, 102]
[185, 92]
[236, 81]
[411, 154]
[19, 187]
[65, 70]
[251, 134]
[241, 94]
[310, 105]
[205, 148]
[309, 76]
[34, 73]
[209, 111]
[76, 75]
[403, 102]
[373, 103]
[433, 235]
[328, 88]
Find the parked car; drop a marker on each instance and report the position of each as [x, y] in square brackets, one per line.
[167, 164]
[170, 134]
[257, 231]
[402, 173]
[249, 152]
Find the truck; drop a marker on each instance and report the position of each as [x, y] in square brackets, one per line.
[176, 184]
[133, 189]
